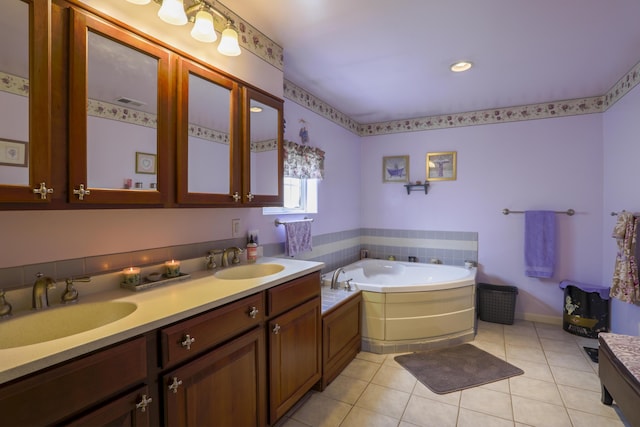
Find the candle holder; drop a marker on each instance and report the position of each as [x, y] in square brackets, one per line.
[172, 268]
[131, 276]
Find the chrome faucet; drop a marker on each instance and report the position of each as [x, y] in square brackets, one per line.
[40, 298]
[334, 279]
[225, 256]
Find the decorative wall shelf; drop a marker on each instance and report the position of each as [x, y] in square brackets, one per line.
[414, 187]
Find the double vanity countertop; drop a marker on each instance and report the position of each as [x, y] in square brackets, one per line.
[156, 307]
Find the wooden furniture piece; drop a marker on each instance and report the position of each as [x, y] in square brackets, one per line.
[294, 332]
[245, 363]
[619, 371]
[91, 386]
[341, 337]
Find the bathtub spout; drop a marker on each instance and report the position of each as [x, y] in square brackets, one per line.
[334, 279]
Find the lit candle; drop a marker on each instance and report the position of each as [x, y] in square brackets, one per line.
[173, 268]
[131, 276]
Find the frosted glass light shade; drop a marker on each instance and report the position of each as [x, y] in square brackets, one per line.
[203, 28]
[172, 12]
[229, 42]
[139, 1]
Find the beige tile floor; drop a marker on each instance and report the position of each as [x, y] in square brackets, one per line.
[560, 387]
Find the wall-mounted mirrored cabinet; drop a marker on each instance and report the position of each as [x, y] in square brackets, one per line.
[118, 115]
[208, 137]
[25, 119]
[262, 150]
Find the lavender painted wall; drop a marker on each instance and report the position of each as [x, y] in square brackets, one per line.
[540, 164]
[621, 192]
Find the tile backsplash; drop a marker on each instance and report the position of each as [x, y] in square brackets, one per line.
[334, 249]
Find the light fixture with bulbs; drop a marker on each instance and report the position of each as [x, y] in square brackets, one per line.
[200, 13]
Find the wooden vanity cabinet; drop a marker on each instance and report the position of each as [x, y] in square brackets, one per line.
[294, 340]
[225, 387]
[224, 381]
[110, 381]
[341, 337]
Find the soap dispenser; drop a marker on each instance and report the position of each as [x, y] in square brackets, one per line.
[252, 251]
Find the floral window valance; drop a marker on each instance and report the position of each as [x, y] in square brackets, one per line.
[302, 161]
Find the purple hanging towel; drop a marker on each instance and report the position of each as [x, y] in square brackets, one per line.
[539, 243]
[297, 237]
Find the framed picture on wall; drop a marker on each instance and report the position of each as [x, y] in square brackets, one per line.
[13, 153]
[441, 166]
[395, 169]
[145, 163]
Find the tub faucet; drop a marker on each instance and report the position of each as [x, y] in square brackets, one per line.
[334, 279]
[40, 299]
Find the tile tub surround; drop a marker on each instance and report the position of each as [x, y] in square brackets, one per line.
[560, 387]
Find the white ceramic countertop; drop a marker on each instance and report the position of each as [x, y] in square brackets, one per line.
[157, 307]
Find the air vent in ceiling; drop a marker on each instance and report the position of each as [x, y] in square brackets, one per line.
[128, 101]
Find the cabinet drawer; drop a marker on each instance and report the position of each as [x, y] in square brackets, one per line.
[49, 397]
[293, 293]
[195, 335]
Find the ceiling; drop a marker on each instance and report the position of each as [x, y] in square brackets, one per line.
[388, 60]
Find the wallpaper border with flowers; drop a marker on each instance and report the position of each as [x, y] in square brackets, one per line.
[563, 108]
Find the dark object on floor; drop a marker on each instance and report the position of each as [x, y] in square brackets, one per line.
[455, 368]
[619, 373]
[586, 308]
[593, 353]
[496, 303]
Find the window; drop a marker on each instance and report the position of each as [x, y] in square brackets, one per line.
[300, 196]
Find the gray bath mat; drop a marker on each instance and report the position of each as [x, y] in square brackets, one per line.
[456, 368]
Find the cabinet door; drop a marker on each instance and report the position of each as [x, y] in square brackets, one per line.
[208, 137]
[295, 358]
[131, 410]
[226, 387]
[341, 338]
[25, 122]
[118, 115]
[262, 157]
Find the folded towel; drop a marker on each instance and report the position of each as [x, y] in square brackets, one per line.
[539, 243]
[297, 237]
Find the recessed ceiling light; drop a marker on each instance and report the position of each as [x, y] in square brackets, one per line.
[461, 66]
[255, 109]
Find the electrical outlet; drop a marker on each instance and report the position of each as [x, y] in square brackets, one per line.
[235, 227]
[256, 237]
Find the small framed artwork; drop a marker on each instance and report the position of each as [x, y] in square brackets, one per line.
[145, 163]
[14, 153]
[441, 166]
[395, 169]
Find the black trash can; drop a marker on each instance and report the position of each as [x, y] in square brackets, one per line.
[497, 304]
[586, 308]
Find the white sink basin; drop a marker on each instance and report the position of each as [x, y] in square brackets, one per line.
[251, 271]
[60, 322]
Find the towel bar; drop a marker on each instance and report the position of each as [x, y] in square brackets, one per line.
[569, 212]
[305, 219]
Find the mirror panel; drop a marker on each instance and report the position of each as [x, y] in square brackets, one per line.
[122, 116]
[25, 108]
[14, 93]
[264, 149]
[118, 127]
[262, 158]
[209, 137]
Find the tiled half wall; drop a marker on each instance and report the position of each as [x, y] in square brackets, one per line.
[334, 249]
